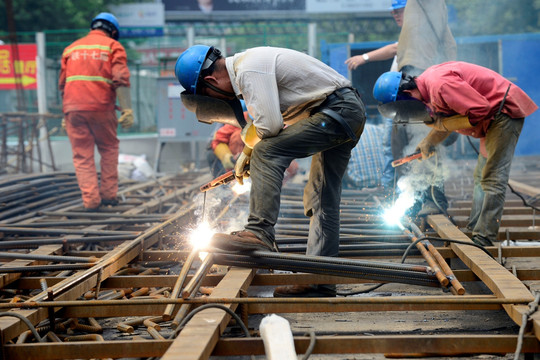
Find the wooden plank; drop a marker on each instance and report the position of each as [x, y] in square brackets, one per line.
[86, 350]
[506, 221]
[499, 280]
[202, 332]
[436, 345]
[524, 188]
[415, 344]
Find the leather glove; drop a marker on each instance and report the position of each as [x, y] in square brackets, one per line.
[126, 119]
[452, 123]
[240, 170]
[228, 162]
[427, 145]
[224, 154]
[249, 135]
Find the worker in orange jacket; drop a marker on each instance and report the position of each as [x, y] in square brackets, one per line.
[94, 73]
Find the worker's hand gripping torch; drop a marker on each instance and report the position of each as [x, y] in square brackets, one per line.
[406, 159]
[226, 178]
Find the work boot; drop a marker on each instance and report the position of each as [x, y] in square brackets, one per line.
[109, 202]
[482, 241]
[94, 209]
[303, 291]
[240, 241]
[429, 208]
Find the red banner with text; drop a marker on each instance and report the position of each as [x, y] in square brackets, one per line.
[18, 66]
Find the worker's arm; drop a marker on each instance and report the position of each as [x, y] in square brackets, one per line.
[124, 100]
[459, 96]
[261, 94]
[427, 145]
[383, 53]
[224, 154]
[240, 168]
[451, 123]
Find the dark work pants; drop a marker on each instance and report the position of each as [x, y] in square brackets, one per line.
[323, 138]
[491, 176]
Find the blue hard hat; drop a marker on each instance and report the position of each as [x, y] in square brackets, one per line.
[387, 86]
[108, 22]
[398, 4]
[189, 65]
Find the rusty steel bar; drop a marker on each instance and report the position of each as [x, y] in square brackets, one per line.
[459, 289]
[167, 314]
[23, 243]
[461, 300]
[197, 278]
[55, 258]
[33, 268]
[429, 259]
[25, 230]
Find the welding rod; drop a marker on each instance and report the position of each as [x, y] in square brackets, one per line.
[460, 290]
[167, 314]
[197, 278]
[429, 258]
[406, 159]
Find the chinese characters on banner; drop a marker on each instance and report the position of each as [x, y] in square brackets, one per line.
[18, 70]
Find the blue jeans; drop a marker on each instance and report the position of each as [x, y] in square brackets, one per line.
[325, 140]
[387, 178]
[491, 177]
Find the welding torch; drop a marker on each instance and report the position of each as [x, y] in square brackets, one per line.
[406, 159]
[220, 180]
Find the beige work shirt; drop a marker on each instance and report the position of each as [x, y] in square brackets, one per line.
[425, 38]
[280, 86]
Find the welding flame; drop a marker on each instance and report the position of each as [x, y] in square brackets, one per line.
[242, 189]
[393, 215]
[200, 236]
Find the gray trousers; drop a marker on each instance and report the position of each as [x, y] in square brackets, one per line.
[325, 140]
[491, 176]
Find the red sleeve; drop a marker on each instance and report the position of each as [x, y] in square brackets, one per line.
[119, 68]
[223, 135]
[62, 78]
[462, 98]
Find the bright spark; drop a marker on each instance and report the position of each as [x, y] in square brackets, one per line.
[393, 215]
[200, 236]
[242, 189]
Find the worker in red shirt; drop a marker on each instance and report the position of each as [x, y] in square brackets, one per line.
[227, 144]
[475, 101]
[93, 74]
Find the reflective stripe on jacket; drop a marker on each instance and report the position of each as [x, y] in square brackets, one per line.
[92, 68]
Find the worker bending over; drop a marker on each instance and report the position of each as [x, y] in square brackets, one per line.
[93, 73]
[325, 117]
[489, 107]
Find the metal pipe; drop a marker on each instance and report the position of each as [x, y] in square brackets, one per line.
[86, 222]
[55, 258]
[197, 278]
[346, 270]
[54, 267]
[167, 314]
[63, 240]
[460, 290]
[29, 230]
[429, 259]
[446, 300]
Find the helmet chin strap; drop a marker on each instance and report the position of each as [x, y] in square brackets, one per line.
[218, 90]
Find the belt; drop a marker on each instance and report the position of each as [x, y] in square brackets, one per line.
[338, 94]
